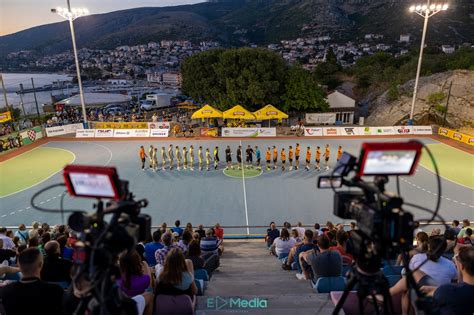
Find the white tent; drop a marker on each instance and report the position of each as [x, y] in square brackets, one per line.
[96, 99]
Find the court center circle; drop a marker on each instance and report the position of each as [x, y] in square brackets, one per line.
[248, 172]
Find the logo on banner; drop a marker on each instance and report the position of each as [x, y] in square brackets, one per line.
[32, 135]
[470, 140]
[239, 113]
[403, 130]
[272, 113]
[457, 136]
[349, 131]
[226, 131]
[367, 131]
[443, 131]
[331, 132]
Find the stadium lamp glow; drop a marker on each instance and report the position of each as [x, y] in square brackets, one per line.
[73, 14]
[430, 10]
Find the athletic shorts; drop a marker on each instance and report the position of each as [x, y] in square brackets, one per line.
[283, 161]
[268, 161]
[143, 160]
[326, 159]
[308, 161]
[297, 157]
[275, 160]
[249, 159]
[258, 160]
[317, 161]
[291, 160]
[239, 159]
[216, 158]
[228, 159]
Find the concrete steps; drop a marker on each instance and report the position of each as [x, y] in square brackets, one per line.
[250, 280]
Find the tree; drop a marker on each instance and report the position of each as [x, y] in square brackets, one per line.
[303, 92]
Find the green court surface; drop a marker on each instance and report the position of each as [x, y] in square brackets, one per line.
[31, 168]
[453, 164]
[248, 172]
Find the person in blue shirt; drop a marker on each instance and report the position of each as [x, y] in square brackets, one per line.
[177, 229]
[152, 247]
[258, 155]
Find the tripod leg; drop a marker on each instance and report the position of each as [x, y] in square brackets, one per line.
[350, 285]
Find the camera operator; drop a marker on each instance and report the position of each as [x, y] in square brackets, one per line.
[456, 298]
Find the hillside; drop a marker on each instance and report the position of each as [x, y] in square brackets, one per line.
[236, 22]
[461, 103]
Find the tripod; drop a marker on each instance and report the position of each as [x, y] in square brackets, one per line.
[370, 284]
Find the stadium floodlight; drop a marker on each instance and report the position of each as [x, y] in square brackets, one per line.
[426, 11]
[71, 14]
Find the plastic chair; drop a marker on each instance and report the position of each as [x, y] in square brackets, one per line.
[201, 274]
[351, 305]
[173, 304]
[328, 284]
[200, 286]
[392, 270]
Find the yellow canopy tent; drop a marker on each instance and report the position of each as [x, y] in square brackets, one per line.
[270, 112]
[238, 112]
[207, 111]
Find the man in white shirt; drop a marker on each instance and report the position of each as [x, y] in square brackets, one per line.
[7, 242]
[299, 227]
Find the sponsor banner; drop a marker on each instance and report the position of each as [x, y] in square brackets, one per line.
[349, 131]
[331, 131]
[62, 130]
[458, 136]
[159, 125]
[321, 119]
[383, 131]
[31, 135]
[140, 133]
[403, 130]
[249, 132]
[313, 131]
[85, 133]
[159, 133]
[104, 133]
[422, 130]
[123, 133]
[208, 132]
[5, 116]
[120, 125]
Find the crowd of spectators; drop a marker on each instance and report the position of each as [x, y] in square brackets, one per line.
[36, 266]
[442, 263]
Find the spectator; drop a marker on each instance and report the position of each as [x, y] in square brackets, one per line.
[189, 227]
[22, 234]
[45, 227]
[272, 234]
[467, 240]
[330, 226]
[196, 236]
[176, 228]
[45, 239]
[296, 236]
[160, 254]
[450, 236]
[218, 231]
[33, 242]
[201, 231]
[16, 241]
[66, 252]
[177, 277]
[34, 231]
[7, 241]
[341, 238]
[207, 261]
[152, 247]
[282, 245]
[297, 250]
[185, 240]
[435, 232]
[465, 225]
[163, 228]
[317, 230]
[55, 269]
[31, 295]
[456, 298]
[135, 278]
[421, 246]
[210, 243]
[326, 263]
[455, 226]
[286, 225]
[301, 230]
[5, 254]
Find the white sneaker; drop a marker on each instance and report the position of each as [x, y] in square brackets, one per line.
[192, 168]
[300, 276]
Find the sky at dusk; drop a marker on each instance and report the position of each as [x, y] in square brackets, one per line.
[17, 15]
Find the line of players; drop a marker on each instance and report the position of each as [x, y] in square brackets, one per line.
[184, 158]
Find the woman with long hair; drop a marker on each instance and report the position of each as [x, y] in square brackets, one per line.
[282, 245]
[134, 280]
[177, 276]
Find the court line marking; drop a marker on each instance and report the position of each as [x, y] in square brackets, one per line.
[22, 153]
[19, 191]
[223, 171]
[245, 195]
[99, 145]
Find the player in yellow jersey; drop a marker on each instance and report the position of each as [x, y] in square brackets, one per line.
[339, 153]
[200, 157]
[268, 156]
[185, 158]
[163, 158]
[191, 158]
[170, 156]
[297, 156]
[290, 157]
[275, 157]
[150, 156]
[308, 158]
[283, 159]
[208, 158]
[327, 155]
[178, 158]
[318, 158]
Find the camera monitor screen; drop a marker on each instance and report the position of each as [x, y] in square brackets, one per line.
[91, 181]
[389, 158]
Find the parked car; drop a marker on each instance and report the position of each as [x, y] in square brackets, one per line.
[114, 109]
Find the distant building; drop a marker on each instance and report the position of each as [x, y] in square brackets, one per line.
[118, 81]
[171, 78]
[447, 49]
[343, 106]
[404, 38]
[153, 77]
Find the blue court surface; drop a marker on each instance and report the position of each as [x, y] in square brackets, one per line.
[211, 197]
